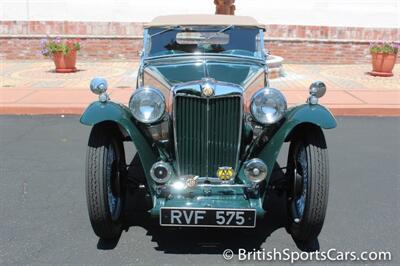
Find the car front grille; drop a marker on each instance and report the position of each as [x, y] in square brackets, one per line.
[207, 133]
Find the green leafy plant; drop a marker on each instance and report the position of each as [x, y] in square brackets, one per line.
[51, 46]
[384, 48]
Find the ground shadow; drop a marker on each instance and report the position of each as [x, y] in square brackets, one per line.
[215, 241]
[107, 244]
[54, 71]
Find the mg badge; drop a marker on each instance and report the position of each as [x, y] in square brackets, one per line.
[207, 90]
[225, 173]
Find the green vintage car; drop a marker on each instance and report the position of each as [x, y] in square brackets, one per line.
[207, 129]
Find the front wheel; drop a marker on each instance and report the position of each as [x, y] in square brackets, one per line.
[104, 181]
[308, 172]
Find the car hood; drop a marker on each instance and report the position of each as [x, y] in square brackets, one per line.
[182, 69]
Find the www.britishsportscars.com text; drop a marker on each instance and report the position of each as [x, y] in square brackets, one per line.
[294, 256]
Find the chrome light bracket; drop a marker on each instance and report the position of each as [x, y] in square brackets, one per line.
[104, 97]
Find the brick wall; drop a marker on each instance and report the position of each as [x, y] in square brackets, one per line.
[114, 40]
[321, 52]
[92, 48]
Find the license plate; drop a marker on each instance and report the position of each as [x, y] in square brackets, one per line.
[207, 217]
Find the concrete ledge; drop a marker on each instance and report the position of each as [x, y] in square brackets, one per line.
[30, 87]
[392, 111]
[366, 111]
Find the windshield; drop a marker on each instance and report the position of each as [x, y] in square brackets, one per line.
[242, 41]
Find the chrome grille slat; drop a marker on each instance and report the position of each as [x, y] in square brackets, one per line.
[207, 133]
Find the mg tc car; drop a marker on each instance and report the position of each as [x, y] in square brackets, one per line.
[207, 129]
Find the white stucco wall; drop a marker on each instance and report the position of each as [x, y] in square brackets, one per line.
[362, 13]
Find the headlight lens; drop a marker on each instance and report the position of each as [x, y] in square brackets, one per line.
[255, 170]
[147, 105]
[268, 106]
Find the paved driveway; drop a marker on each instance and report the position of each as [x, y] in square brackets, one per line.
[43, 217]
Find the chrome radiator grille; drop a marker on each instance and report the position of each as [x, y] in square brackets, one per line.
[207, 133]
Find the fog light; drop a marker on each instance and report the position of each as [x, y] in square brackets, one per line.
[161, 172]
[255, 170]
[317, 90]
[98, 85]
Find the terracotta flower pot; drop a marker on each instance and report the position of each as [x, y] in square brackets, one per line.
[382, 64]
[65, 63]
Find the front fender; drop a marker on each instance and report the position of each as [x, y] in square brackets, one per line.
[306, 113]
[99, 112]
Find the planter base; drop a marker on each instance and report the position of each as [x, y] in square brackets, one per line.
[380, 74]
[66, 70]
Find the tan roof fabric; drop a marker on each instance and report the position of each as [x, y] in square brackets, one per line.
[193, 20]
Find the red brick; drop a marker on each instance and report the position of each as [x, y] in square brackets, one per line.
[299, 50]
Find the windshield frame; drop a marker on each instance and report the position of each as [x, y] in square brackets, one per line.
[147, 36]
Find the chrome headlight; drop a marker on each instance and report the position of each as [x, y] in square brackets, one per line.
[147, 105]
[268, 106]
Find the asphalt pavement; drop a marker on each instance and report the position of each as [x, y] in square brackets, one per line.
[44, 220]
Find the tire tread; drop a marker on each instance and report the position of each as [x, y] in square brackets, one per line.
[318, 187]
[96, 193]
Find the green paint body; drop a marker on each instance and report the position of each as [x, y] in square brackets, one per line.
[233, 197]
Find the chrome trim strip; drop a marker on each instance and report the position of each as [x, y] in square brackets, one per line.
[202, 55]
[221, 89]
[225, 185]
[206, 56]
[174, 129]
[208, 135]
[240, 134]
[140, 76]
[262, 45]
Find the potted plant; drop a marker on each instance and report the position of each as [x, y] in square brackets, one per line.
[383, 58]
[63, 53]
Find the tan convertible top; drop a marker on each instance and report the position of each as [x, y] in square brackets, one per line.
[194, 20]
